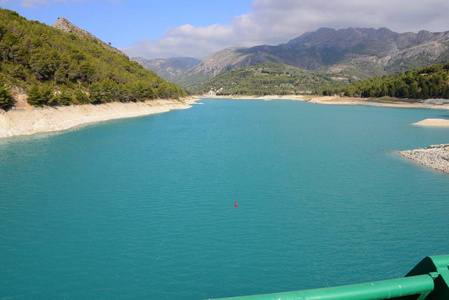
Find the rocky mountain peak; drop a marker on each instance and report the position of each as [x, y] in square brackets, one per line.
[341, 38]
[64, 25]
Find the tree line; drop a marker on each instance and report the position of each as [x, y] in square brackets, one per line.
[422, 83]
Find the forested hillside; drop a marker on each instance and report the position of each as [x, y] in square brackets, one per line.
[267, 79]
[422, 83]
[60, 68]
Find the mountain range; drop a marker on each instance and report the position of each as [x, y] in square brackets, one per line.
[348, 54]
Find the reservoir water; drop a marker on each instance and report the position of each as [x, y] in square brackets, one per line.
[143, 208]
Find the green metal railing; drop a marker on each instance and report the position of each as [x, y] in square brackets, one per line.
[428, 280]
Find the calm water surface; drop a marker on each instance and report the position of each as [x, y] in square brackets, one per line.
[143, 208]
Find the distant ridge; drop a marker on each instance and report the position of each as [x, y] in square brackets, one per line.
[348, 54]
[64, 25]
[169, 69]
[345, 48]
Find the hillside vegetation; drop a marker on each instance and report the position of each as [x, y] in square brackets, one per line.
[60, 68]
[267, 79]
[421, 83]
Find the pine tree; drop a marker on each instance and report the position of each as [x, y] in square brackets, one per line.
[34, 96]
[6, 100]
[424, 91]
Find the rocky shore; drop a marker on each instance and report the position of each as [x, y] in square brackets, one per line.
[435, 157]
[29, 120]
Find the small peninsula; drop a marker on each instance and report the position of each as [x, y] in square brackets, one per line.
[433, 123]
[435, 157]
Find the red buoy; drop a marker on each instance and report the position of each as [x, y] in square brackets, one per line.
[236, 204]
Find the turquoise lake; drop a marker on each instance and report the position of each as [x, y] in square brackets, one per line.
[143, 208]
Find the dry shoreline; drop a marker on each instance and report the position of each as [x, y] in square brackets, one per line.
[335, 100]
[26, 120]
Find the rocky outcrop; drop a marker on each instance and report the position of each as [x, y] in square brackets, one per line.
[64, 25]
[435, 157]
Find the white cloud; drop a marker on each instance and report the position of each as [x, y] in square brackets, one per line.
[36, 3]
[33, 3]
[277, 21]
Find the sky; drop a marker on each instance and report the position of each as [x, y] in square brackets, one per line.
[198, 28]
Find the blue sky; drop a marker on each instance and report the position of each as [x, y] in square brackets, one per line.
[124, 22]
[197, 28]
